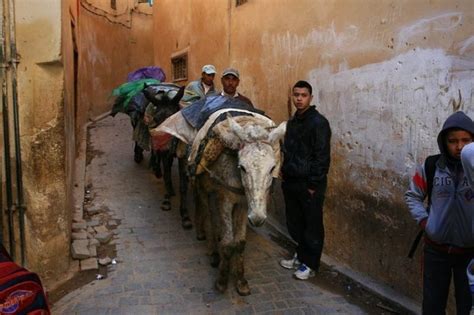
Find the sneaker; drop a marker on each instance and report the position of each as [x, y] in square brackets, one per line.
[292, 263]
[304, 272]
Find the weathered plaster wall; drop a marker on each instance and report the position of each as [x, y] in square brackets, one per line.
[192, 31]
[41, 100]
[111, 43]
[387, 74]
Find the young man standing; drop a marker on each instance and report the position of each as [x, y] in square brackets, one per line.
[306, 151]
[447, 222]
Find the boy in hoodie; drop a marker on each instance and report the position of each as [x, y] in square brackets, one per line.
[448, 220]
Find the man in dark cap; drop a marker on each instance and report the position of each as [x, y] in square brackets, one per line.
[230, 81]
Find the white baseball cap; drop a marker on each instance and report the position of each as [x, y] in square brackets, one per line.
[209, 69]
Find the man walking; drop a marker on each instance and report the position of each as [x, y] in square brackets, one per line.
[201, 88]
[306, 151]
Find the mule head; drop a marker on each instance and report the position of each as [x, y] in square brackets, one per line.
[257, 163]
[166, 100]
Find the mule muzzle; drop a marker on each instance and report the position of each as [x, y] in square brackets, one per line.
[256, 220]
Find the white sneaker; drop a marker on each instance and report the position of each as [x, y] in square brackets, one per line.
[304, 272]
[292, 263]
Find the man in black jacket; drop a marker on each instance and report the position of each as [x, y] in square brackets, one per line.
[305, 166]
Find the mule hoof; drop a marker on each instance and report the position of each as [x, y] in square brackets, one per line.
[158, 174]
[242, 288]
[215, 260]
[186, 223]
[220, 287]
[138, 157]
[166, 205]
[201, 237]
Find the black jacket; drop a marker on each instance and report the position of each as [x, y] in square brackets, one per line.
[306, 148]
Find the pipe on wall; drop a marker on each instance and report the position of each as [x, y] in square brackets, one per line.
[16, 122]
[6, 134]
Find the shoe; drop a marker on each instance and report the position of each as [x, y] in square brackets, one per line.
[292, 263]
[304, 272]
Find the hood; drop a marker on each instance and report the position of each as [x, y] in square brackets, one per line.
[458, 120]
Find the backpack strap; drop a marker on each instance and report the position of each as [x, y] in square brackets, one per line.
[430, 169]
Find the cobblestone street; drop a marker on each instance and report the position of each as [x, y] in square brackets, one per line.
[163, 269]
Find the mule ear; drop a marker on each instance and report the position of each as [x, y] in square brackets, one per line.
[152, 95]
[278, 133]
[236, 128]
[178, 96]
[227, 135]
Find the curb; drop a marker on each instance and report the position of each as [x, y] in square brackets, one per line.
[377, 288]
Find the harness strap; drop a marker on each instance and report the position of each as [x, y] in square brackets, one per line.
[219, 181]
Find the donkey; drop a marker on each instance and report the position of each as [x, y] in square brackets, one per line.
[165, 99]
[241, 174]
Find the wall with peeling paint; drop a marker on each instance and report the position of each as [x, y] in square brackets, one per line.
[111, 43]
[43, 142]
[386, 74]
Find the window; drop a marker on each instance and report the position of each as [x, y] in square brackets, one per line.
[113, 4]
[180, 67]
[240, 2]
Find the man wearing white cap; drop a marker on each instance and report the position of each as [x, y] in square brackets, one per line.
[201, 88]
[230, 81]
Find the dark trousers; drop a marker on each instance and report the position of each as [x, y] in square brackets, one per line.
[438, 267]
[304, 220]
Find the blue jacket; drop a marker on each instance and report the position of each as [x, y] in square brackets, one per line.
[451, 217]
[194, 91]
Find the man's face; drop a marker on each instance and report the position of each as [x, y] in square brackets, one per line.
[456, 140]
[301, 98]
[208, 78]
[230, 84]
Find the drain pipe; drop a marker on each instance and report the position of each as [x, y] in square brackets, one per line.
[6, 133]
[16, 122]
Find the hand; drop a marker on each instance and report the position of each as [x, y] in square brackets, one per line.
[423, 223]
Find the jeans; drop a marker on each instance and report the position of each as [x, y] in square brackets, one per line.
[438, 268]
[304, 220]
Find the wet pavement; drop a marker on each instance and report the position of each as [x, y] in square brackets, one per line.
[163, 269]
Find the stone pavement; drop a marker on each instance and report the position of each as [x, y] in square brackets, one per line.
[163, 269]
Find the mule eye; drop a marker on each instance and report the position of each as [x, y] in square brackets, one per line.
[242, 168]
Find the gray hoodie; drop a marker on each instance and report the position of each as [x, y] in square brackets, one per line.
[451, 217]
[467, 159]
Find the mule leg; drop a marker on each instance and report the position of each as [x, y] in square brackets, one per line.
[226, 246]
[138, 153]
[201, 209]
[167, 159]
[183, 190]
[240, 229]
[155, 163]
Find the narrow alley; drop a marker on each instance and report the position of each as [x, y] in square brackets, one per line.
[163, 269]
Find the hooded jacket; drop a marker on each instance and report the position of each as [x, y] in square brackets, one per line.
[467, 159]
[451, 215]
